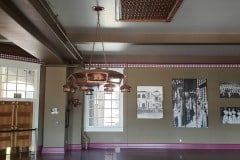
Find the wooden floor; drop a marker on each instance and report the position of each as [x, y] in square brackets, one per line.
[135, 154]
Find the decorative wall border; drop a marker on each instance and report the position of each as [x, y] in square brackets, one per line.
[122, 65]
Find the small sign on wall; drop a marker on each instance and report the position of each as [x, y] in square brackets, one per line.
[17, 95]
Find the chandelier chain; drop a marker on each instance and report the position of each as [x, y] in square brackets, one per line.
[98, 33]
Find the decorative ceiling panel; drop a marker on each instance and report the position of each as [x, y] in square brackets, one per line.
[147, 10]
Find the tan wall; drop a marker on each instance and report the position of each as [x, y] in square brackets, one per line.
[41, 106]
[162, 130]
[54, 124]
[75, 120]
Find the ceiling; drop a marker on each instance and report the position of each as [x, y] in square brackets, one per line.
[63, 32]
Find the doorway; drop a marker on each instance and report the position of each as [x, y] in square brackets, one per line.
[16, 119]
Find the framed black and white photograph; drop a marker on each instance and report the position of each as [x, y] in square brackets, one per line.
[229, 89]
[149, 102]
[230, 115]
[190, 104]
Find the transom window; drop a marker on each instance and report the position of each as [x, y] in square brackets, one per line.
[17, 83]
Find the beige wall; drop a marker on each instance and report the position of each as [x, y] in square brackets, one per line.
[143, 130]
[162, 130]
[54, 132]
[41, 106]
[54, 124]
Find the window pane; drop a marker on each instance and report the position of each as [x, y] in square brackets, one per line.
[11, 86]
[10, 94]
[3, 70]
[3, 94]
[30, 95]
[115, 113]
[108, 104]
[115, 104]
[12, 71]
[115, 121]
[3, 86]
[30, 80]
[30, 88]
[3, 78]
[108, 96]
[99, 122]
[20, 87]
[12, 78]
[91, 121]
[91, 113]
[22, 72]
[107, 113]
[115, 95]
[21, 80]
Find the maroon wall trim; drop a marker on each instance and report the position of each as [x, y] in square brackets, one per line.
[53, 150]
[72, 147]
[165, 146]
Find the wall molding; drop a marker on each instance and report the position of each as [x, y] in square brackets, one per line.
[118, 146]
[163, 146]
[53, 150]
[73, 147]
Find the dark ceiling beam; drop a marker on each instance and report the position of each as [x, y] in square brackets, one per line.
[15, 33]
[159, 38]
[30, 25]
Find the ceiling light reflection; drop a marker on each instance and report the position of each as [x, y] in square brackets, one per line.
[113, 47]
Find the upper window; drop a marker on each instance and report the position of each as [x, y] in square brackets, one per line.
[104, 111]
[18, 83]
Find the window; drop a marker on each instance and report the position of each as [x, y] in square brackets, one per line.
[104, 111]
[17, 83]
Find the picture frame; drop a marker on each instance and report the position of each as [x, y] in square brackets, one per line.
[230, 115]
[190, 103]
[149, 102]
[229, 89]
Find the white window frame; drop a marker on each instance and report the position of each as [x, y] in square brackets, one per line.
[119, 128]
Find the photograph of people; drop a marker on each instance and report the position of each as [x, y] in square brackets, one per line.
[229, 89]
[190, 105]
[230, 115]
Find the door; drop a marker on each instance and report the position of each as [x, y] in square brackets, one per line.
[16, 125]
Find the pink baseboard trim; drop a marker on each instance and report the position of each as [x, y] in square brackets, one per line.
[39, 149]
[72, 147]
[164, 146]
[53, 150]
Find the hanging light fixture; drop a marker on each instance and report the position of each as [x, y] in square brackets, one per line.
[89, 79]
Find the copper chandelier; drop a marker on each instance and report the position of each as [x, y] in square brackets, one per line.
[89, 79]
